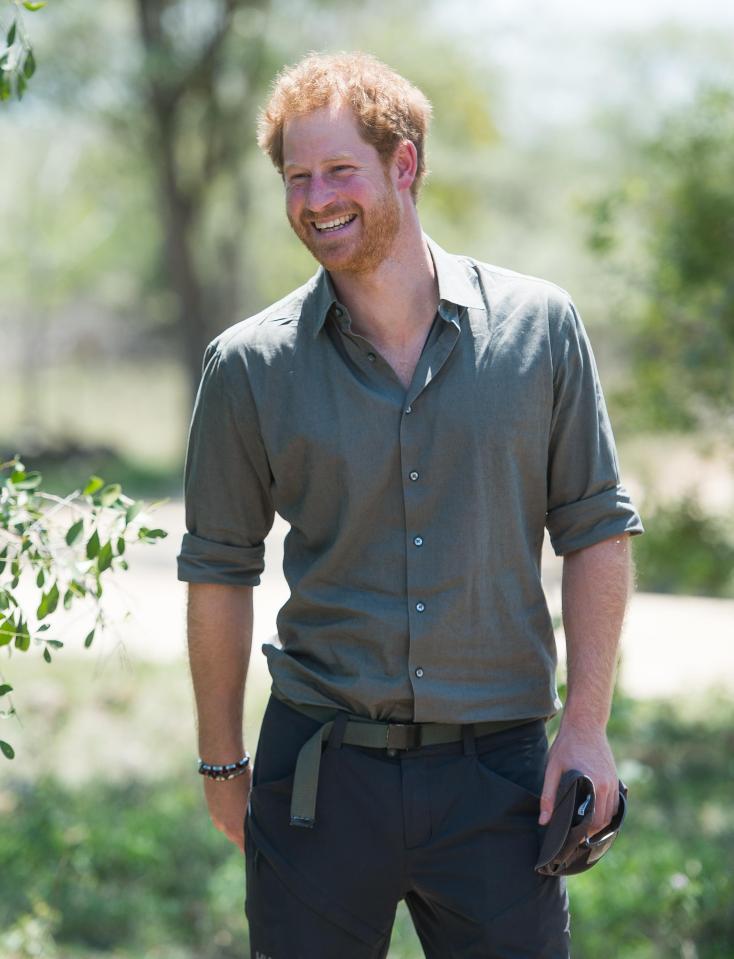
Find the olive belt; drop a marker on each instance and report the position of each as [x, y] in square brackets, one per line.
[358, 731]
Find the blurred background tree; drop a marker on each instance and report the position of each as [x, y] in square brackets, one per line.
[679, 321]
[202, 77]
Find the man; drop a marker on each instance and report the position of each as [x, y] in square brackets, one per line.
[419, 419]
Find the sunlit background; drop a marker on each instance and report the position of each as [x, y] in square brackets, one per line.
[589, 145]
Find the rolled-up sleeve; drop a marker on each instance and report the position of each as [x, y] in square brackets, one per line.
[227, 479]
[586, 502]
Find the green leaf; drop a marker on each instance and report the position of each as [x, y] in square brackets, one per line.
[7, 631]
[109, 494]
[29, 67]
[34, 479]
[7, 749]
[132, 511]
[54, 643]
[120, 545]
[47, 655]
[94, 484]
[93, 545]
[72, 534]
[11, 34]
[68, 598]
[41, 578]
[53, 598]
[148, 534]
[20, 85]
[104, 559]
[44, 627]
[3, 559]
[49, 602]
[5, 90]
[23, 638]
[88, 639]
[34, 5]
[5, 689]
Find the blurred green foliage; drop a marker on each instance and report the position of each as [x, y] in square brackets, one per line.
[134, 866]
[135, 869]
[684, 550]
[669, 227]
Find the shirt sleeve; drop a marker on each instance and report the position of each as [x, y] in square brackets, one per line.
[227, 480]
[586, 501]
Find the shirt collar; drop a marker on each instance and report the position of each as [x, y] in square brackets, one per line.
[457, 287]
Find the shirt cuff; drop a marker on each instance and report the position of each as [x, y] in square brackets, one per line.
[591, 520]
[205, 561]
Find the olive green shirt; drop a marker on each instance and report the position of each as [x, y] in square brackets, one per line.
[416, 519]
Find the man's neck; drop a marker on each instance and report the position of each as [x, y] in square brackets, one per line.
[396, 303]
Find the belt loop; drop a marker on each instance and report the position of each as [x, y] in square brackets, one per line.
[337, 730]
[467, 735]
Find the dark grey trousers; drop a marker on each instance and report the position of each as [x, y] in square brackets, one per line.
[451, 829]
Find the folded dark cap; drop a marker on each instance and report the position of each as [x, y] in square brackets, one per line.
[566, 849]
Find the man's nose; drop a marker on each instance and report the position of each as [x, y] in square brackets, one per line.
[320, 194]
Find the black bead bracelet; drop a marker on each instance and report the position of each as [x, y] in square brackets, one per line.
[227, 771]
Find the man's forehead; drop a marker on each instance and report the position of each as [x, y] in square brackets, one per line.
[332, 130]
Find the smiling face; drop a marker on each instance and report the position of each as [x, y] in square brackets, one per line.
[340, 197]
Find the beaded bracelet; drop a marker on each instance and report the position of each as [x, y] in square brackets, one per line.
[227, 771]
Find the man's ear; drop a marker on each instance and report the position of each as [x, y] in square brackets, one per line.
[405, 163]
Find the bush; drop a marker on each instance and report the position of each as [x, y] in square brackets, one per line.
[685, 551]
[666, 888]
[132, 867]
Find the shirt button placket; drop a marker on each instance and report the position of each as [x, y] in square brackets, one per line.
[411, 446]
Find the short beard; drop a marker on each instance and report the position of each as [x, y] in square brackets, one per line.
[379, 229]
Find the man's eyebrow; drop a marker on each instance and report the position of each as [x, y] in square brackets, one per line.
[331, 159]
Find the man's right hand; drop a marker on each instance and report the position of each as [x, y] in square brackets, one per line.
[227, 802]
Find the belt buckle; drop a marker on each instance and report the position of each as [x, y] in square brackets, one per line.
[402, 736]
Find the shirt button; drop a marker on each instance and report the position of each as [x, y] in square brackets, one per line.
[338, 311]
[408, 409]
[419, 672]
[420, 607]
[371, 357]
[413, 475]
[418, 541]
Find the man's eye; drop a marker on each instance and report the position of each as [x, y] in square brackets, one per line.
[297, 176]
[341, 168]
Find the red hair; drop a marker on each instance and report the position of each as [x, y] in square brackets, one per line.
[387, 107]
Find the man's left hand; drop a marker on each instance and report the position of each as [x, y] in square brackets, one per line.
[588, 751]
